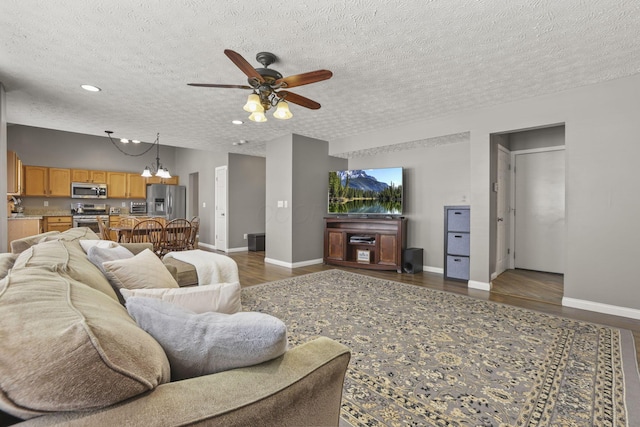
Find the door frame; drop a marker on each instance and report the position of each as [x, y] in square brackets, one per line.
[217, 219]
[507, 218]
[512, 201]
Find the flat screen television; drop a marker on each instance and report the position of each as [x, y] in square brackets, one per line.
[366, 192]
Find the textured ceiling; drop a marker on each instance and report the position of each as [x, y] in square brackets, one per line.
[394, 62]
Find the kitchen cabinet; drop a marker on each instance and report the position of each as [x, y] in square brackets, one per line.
[14, 174]
[136, 186]
[57, 223]
[47, 182]
[174, 180]
[83, 175]
[124, 185]
[117, 185]
[17, 228]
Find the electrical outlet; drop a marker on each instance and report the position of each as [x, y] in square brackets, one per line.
[245, 236]
[204, 205]
[124, 204]
[46, 203]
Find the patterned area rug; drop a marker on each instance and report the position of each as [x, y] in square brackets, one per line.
[428, 358]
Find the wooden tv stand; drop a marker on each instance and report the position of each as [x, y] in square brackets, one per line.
[374, 243]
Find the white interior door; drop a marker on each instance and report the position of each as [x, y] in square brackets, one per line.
[221, 208]
[503, 211]
[540, 210]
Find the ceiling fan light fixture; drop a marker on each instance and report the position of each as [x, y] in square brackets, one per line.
[282, 111]
[253, 104]
[258, 116]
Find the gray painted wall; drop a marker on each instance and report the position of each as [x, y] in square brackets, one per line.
[310, 171]
[246, 186]
[204, 163]
[603, 203]
[433, 178]
[278, 230]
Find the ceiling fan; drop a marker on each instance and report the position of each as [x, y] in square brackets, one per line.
[268, 84]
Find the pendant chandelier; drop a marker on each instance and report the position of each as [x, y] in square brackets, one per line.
[155, 170]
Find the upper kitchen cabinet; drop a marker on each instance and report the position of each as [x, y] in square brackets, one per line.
[82, 175]
[136, 186]
[47, 182]
[117, 185]
[123, 185]
[174, 180]
[15, 183]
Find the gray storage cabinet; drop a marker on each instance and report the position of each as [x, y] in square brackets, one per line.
[457, 226]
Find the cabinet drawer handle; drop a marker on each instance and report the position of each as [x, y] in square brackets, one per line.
[457, 259]
[458, 237]
[457, 213]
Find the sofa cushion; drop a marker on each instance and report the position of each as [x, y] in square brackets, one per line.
[186, 274]
[67, 259]
[221, 297]
[21, 245]
[6, 263]
[71, 234]
[144, 270]
[68, 347]
[200, 344]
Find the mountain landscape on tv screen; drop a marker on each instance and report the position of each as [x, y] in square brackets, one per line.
[360, 192]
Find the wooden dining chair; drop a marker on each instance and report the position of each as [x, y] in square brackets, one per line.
[104, 230]
[195, 226]
[124, 224]
[149, 231]
[176, 235]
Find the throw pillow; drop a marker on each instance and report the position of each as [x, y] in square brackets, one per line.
[221, 297]
[97, 254]
[201, 344]
[144, 270]
[86, 244]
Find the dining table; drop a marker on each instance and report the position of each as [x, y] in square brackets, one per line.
[125, 234]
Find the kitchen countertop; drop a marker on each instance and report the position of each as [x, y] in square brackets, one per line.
[25, 217]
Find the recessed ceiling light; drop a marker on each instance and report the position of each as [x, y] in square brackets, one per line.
[237, 122]
[91, 88]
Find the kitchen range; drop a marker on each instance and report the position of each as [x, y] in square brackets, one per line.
[88, 215]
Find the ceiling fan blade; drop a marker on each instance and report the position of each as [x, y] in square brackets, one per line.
[304, 78]
[298, 99]
[244, 66]
[222, 86]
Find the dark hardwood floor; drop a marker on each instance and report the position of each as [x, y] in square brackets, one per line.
[513, 287]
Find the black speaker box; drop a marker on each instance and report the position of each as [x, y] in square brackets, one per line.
[412, 260]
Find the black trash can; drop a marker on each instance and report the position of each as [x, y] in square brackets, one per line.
[256, 241]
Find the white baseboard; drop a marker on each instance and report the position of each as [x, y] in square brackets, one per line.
[598, 307]
[208, 246]
[493, 275]
[483, 286]
[438, 270]
[294, 264]
[243, 249]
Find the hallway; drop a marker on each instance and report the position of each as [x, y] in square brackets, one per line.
[530, 284]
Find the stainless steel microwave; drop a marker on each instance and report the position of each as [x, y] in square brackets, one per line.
[88, 190]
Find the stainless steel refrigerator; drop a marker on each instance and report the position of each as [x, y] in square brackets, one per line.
[168, 201]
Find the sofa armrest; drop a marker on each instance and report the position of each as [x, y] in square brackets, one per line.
[302, 387]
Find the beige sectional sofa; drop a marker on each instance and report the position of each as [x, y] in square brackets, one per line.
[72, 355]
